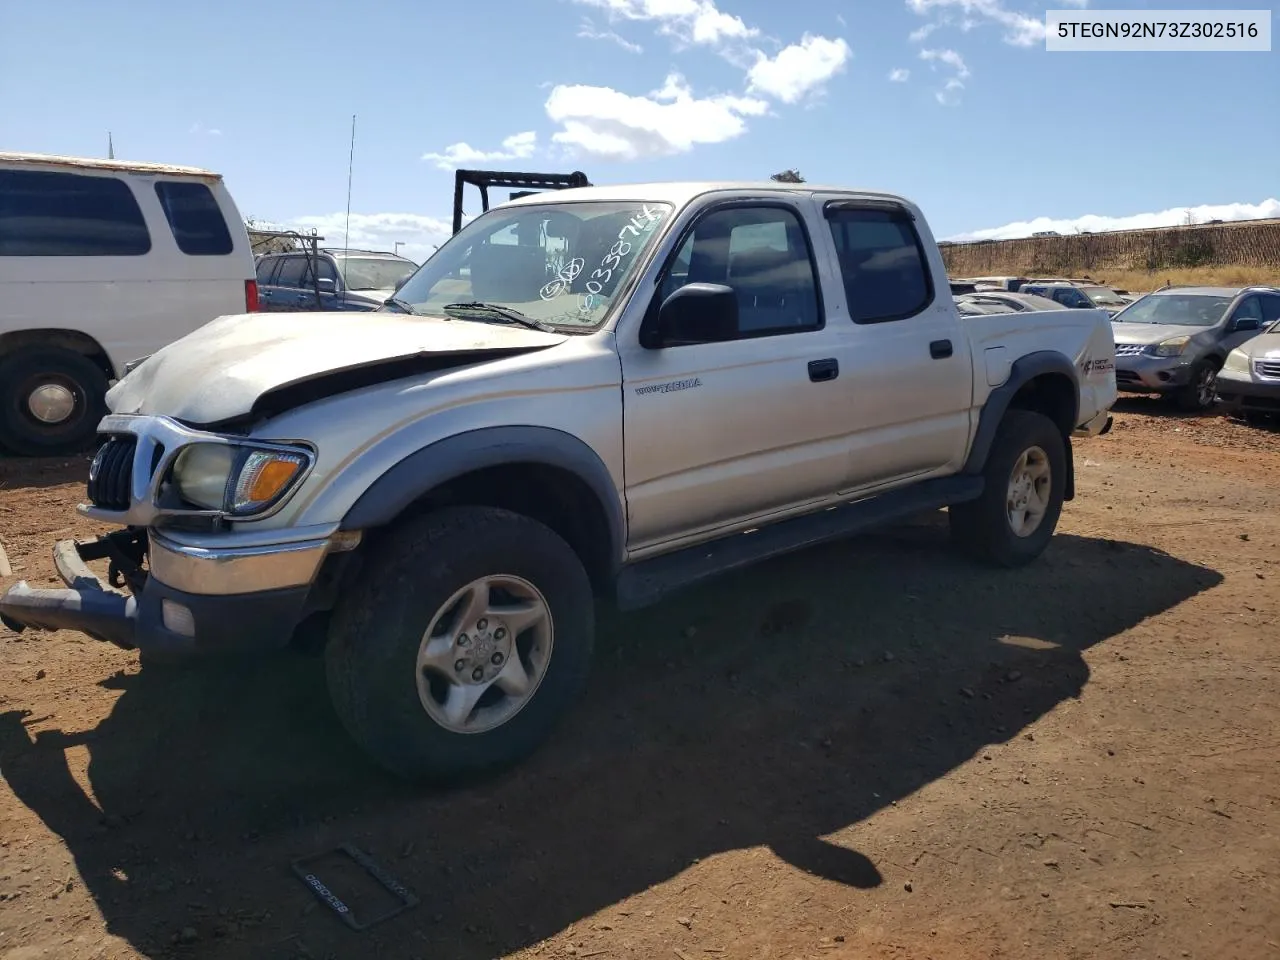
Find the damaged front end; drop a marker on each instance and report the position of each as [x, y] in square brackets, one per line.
[100, 609]
[184, 576]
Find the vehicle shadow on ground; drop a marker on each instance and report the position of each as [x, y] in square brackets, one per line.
[17, 472]
[773, 708]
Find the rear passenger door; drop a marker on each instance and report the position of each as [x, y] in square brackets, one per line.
[910, 373]
[721, 432]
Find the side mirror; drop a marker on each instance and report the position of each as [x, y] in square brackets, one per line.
[695, 313]
[1242, 324]
[400, 283]
[327, 285]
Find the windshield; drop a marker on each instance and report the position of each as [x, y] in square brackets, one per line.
[560, 263]
[374, 273]
[1103, 295]
[1186, 310]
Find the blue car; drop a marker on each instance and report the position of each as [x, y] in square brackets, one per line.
[330, 279]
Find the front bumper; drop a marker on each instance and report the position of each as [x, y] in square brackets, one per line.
[196, 600]
[1248, 394]
[1139, 373]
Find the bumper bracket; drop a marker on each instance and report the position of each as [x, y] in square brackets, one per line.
[87, 604]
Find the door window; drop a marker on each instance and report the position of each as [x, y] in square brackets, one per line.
[763, 254]
[1248, 315]
[291, 271]
[882, 262]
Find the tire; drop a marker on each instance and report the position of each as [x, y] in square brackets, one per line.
[67, 376]
[1200, 393]
[984, 528]
[383, 697]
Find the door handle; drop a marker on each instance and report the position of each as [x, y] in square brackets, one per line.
[940, 349]
[826, 369]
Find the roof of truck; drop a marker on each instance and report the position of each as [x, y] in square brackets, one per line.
[93, 163]
[681, 192]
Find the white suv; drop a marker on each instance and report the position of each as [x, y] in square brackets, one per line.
[103, 262]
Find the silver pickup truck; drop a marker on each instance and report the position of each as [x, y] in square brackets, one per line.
[606, 392]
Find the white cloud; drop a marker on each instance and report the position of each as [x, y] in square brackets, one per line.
[692, 21]
[518, 146]
[899, 75]
[949, 95]
[920, 34]
[200, 130]
[417, 235]
[606, 124]
[799, 68]
[950, 58]
[1097, 224]
[589, 31]
[1020, 29]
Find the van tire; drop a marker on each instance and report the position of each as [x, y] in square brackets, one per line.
[1026, 442]
[382, 683]
[24, 372]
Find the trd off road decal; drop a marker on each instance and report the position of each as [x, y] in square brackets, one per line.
[1090, 367]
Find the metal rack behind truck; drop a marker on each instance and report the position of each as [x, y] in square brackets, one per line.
[307, 243]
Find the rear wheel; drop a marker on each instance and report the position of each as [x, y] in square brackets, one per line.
[1014, 519]
[51, 401]
[462, 645]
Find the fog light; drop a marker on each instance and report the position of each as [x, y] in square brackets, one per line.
[177, 618]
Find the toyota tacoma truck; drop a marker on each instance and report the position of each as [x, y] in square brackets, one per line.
[615, 392]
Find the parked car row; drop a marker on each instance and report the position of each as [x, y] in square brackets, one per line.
[1199, 346]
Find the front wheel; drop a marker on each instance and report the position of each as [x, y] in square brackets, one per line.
[1026, 471]
[1201, 392]
[463, 644]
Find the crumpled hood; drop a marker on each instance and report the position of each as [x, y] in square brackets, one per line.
[1146, 333]
[1265, 346]
[218, 371]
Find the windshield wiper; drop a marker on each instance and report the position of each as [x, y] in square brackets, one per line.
[493, 310]
[402, 304]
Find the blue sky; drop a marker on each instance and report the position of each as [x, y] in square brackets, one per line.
[954, 103]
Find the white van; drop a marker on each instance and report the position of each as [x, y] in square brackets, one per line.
[103, 262]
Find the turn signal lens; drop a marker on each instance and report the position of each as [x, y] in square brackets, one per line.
[264, 477]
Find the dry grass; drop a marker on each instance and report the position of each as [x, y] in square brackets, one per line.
[1142, 280]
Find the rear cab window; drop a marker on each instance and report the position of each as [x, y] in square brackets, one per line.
[54, 214]
[195, 218]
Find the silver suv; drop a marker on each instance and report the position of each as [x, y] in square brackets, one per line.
[1174, 341]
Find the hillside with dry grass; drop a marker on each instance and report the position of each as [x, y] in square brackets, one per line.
[1226, 254]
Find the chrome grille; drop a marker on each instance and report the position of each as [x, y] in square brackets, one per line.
[1267, 368]
[111, 474]
[1128, 349]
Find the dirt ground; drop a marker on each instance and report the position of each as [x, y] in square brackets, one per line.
[871, 750]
